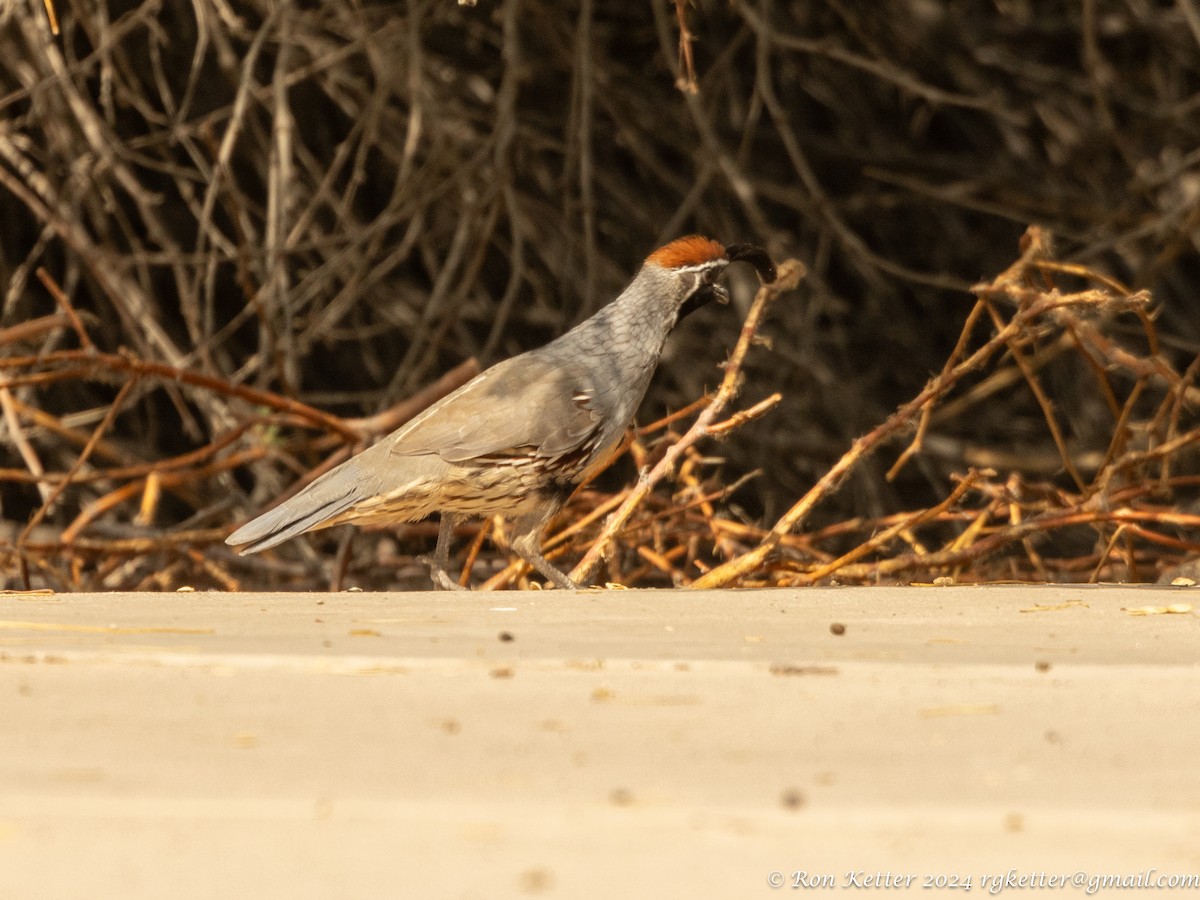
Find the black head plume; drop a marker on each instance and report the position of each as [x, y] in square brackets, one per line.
[756, 256]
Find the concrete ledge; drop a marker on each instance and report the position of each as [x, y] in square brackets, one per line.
[621, 743]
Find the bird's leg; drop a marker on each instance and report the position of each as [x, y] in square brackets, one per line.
[440, 561]
[526, 542]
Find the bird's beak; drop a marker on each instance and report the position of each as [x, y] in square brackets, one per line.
[756, 256]
[701, 296]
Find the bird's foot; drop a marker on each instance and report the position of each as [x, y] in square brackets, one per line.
[556, 578]
[565, 584]
[444, 582]
[440, 577]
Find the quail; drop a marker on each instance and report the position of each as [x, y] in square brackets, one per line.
[520, 437]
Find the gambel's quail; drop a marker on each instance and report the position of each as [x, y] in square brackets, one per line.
[520, 437]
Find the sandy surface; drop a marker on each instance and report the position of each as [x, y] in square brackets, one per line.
[617, 744]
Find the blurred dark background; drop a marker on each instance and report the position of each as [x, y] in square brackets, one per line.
[340, 201]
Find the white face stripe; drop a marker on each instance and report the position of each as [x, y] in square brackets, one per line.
[703, 267]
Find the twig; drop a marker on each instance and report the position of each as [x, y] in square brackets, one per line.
[51, 16]
[17, 434]
[133, 365]
[686, 80]
[130, 490]
[879, 540]
[113, 409]
[60, 297]
[1043, 401]
[25, 331]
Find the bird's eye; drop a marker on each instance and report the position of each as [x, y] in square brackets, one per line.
[710, 276]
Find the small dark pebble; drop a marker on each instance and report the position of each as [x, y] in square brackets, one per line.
[1042, 665]
[621, 797]
[506, 636]
[535, 881]
[792, 799]
[837, 628]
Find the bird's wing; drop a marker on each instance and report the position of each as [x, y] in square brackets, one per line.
[520, 406]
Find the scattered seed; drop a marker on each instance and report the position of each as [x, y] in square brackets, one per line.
[790, 669]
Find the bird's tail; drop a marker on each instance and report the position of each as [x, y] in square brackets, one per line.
[329, 495]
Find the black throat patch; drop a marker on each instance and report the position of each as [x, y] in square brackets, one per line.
[702, 296]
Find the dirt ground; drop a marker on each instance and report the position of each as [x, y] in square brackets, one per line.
[604, 744]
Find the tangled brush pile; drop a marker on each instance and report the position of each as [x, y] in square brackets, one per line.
[242, 239]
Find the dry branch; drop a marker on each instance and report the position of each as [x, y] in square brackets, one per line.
[1032, 308]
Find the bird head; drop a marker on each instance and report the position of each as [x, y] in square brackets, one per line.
[694, 263]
